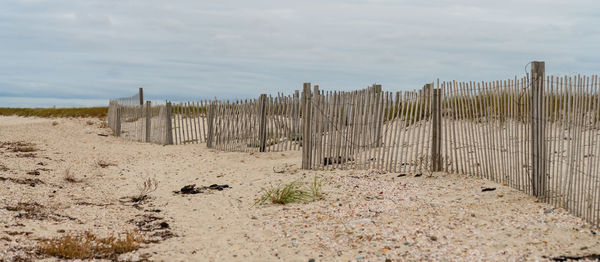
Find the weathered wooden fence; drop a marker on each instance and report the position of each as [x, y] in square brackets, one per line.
[539, 134]
[132, 119]
[188, 122]
[367, 129]
[264, 124]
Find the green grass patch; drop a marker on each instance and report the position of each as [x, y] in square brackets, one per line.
[295, 191]
[98, 112]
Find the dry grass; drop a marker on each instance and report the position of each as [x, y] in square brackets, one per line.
[97, 112]
[26, 207]
[70, 177]
[148, 186]
[104, 164]
[19, 146]
[24, 149]
[89, 246]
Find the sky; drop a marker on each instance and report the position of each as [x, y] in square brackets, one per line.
[81, 53]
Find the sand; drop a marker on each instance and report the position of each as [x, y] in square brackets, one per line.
[364, 216]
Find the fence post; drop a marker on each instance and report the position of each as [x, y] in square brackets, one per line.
[306, 135]
[118, 122]
[379, 111]
[148, 119]
[169, 124]
[262, 131]
[538, 145]
[296, 112]
[210, 116]
[436, 134]
[141, 92]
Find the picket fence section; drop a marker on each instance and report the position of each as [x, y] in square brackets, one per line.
[188, 122]
[489, 128]
[368, 129]
[132, 119]
[265, 124]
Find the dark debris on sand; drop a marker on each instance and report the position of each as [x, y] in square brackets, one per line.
[193, 189]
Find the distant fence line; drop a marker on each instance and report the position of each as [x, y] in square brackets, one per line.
[132, 119]
[538, 134]
[264, 124]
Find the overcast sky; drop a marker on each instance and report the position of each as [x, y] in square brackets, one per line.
[72, 52]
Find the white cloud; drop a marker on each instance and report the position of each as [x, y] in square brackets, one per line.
[194, 49]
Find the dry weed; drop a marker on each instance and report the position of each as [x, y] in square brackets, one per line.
[104, 164]
[148, 186]
[70, 177]
[18, 146]
[26, 207]
[88, 245]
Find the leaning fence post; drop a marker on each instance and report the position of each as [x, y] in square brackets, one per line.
[306, 135]
[169, 124]
[148, 119]
[262, 131]
[436, 134]
[538, 145]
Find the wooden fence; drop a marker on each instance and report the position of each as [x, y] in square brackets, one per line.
[264, 124]
[367, 129]
[132, 119]
[188, 122]
[539, 134]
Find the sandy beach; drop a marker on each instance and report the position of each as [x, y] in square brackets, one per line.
[364, 215]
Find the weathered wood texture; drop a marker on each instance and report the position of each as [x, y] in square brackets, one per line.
[265, 124]
[138, 122]
[539, 134]
[367, 129]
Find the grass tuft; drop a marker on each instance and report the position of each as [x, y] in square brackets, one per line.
[88, 245]
[286, 194]
[315, 188]
[295, 191]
